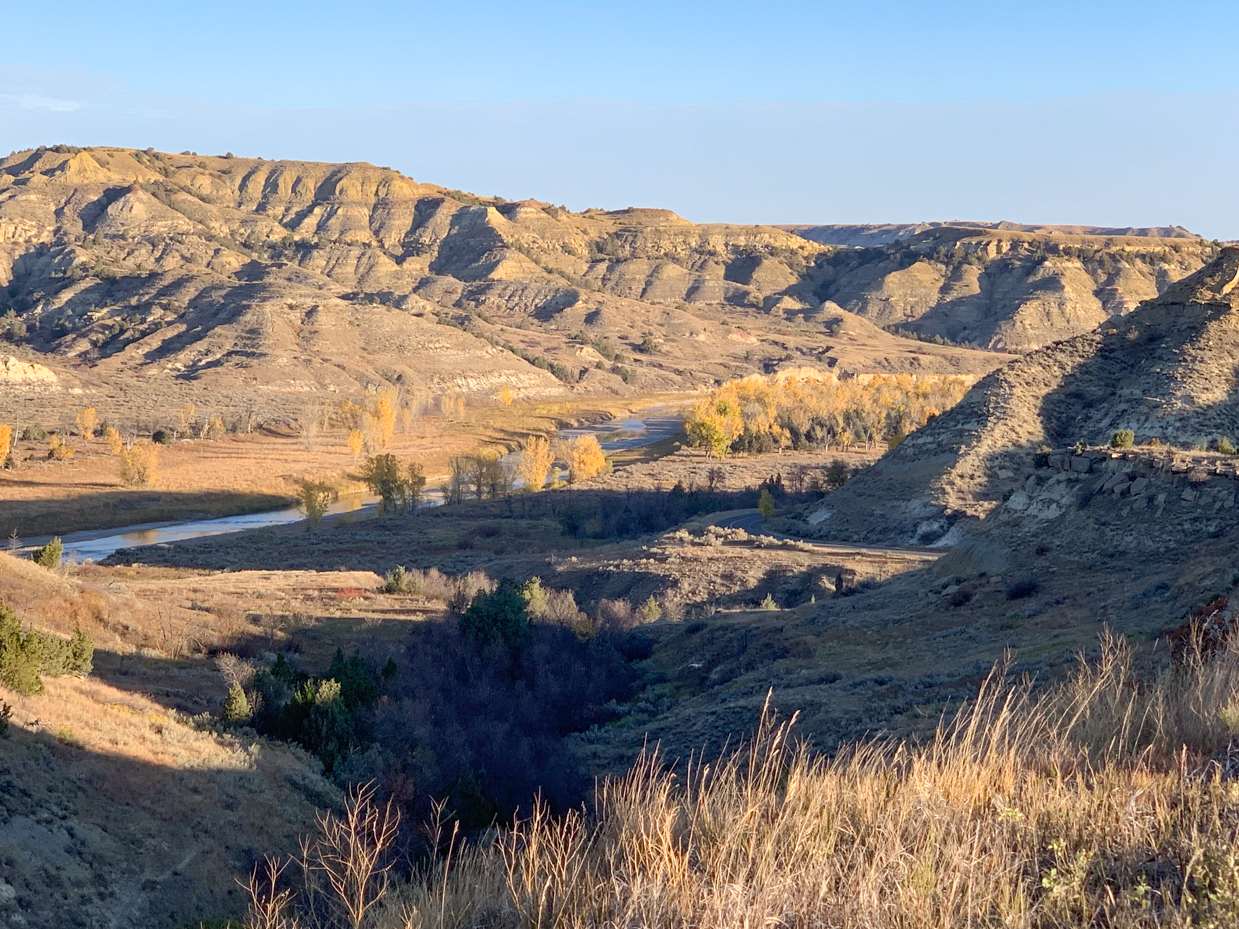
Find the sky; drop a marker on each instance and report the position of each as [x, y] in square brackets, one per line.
[1099, 113]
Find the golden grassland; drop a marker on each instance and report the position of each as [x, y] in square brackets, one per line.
[1093, 804]
[247, 473]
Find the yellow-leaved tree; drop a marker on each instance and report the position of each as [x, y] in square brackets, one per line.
[186, 416]
[87, 422]
[762, 414]
[139, 464]
[585, 458]
[535, 462]
[6, 444]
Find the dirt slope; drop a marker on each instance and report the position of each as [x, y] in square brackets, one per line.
[117, 806]
[1166, 372]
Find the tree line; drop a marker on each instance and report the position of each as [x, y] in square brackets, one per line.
[764, 414]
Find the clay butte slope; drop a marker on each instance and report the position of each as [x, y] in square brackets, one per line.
[1000, 286]
[143, 274]
[1167, 372]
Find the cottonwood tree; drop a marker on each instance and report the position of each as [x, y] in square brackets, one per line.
[535, 461]
[399, 489]
[584, 457]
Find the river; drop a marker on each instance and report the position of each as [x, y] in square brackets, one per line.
[649, 427]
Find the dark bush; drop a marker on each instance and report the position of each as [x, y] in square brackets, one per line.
[161, 437]
[497, 615]
[1025, 587]
[34, 433]
[645, 512]
[484, 727]
[329, 716]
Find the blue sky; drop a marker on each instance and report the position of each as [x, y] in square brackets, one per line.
[1106, 113]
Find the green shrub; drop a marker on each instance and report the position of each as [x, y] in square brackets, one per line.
[1124, 438]
[319, 720]
[81, 651]
[650, 611]
[25, 654]
[237, 709]
[1224, 446]
[768, 603]
[502, 615]
[399, 490]
[20, 656]
[34, 433]
[537, 600]
[399, 580]
[359, 689]
[765, 505]
[50, 554]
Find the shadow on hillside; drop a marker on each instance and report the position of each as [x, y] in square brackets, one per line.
[114, 837]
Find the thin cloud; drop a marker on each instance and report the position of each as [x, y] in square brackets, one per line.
[39, 102]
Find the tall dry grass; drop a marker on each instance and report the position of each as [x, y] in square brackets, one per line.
[1095, 804]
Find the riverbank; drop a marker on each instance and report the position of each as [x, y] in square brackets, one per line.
[257, 473]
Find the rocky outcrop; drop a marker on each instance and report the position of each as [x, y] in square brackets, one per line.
[15, 373]
[1003, 289]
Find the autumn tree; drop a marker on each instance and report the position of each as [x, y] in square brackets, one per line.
[139, 464]
[87, 422]
[315, 498]
[585, 458]
[186, 416]
[115, 442]
[535, 461]
[356, 442]
[760, 414]
[6, 444]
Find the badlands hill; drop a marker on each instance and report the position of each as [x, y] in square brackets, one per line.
[134, 272]
[863, 235]
[1005, 287]
[143, 279]
[1006, 460]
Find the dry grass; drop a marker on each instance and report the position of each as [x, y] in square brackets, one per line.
[1093, 805]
